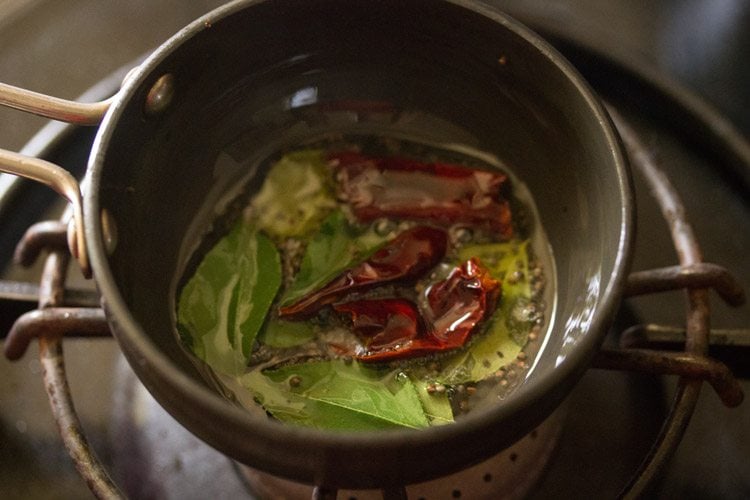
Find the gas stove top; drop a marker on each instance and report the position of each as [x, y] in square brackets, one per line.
[613, 416]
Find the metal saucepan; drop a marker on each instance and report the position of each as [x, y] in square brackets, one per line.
[256, 73]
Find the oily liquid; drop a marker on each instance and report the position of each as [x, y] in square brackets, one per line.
[464, 397]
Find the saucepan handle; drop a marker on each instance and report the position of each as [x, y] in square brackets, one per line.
[48, 173]
[79, 113]
[65, 184]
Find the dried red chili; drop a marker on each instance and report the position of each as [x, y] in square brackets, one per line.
[405, 258]
[440, 192]
[394, 329]
[386, 324]
[459, 302]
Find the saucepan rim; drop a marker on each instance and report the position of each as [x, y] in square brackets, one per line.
[145, 355]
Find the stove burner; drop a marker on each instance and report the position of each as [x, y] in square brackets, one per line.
[220, 472]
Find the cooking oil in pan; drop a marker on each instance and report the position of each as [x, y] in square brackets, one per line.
[368, 280]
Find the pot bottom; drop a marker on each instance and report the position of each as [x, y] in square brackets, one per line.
[155, 457]
[510, 474]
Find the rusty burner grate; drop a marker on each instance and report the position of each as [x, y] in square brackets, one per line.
[650, 349]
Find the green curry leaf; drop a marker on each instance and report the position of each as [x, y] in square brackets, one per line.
[224, 304]
[296, 195]
[436, 405]
[503, 260]
[282, 334]
[337, 395]
[335, 247]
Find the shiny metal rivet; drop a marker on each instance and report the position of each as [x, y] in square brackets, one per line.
[160, 96]
[109, 231]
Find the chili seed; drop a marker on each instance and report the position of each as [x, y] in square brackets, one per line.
[515, 277]
[383, 227]
[460, 234]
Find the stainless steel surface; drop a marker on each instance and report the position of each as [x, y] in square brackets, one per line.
[61, 181]
[81, 113]
[82, 41]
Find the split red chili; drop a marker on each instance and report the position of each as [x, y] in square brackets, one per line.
[407, 257]
[386, 324]
[459, 302]
[394, 329]
[439, 192]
